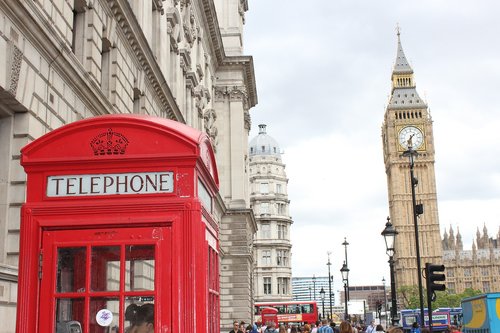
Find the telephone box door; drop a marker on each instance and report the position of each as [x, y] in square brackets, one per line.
[90, 278]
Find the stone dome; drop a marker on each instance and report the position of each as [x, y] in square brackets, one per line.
[263, 144]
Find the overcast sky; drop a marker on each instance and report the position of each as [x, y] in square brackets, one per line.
[323, 71]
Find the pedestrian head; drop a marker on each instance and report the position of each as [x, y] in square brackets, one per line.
[345, 327]
[141, 318]
[395, 329]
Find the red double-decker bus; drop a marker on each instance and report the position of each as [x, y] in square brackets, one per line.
[290, 312]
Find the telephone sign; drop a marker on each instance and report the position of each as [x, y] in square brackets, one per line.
[108, 184]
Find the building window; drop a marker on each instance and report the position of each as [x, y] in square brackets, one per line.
[450, 272]
[467, 272]
[283, 285]
[281, 209]
[282, 257]
[279, 188]
[264, 188]
[282, 231]
[264, 208]
[266, 258]
[267, 286]
[486, 287]
[451, 287]
[485, 271]
[468, 285]
[265, 230]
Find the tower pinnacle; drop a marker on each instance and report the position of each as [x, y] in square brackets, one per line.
[402, 65]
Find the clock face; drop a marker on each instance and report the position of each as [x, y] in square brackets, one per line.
[411, 135]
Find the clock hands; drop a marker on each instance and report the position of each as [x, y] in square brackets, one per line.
[409, 142]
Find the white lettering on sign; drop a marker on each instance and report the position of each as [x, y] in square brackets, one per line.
[109, 184]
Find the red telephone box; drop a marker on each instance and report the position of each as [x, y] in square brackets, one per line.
[268, 315]
[119, 229]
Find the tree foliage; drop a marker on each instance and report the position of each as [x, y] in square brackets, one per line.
[409, 298]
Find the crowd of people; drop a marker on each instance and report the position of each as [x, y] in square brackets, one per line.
[325, 326]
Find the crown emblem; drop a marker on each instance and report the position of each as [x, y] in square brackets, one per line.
[109, 143]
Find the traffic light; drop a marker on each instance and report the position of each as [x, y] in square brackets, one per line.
[435, 274]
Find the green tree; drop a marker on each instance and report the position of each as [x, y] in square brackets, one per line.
[409, 297]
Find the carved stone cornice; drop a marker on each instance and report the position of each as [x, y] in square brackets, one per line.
[223, 62]
[200, 99]
[191, 81]
[209, 117]
[127, 21]
[232, 94]
[173, 28]
[206, 92]
[208, 8]
[158, 5]
[185, 59]
[199, 70]
[248, 120]
[242, 8]
[245, 64]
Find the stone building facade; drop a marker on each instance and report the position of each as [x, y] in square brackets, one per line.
[62, 61]
[269, 199]
[407, 118]
[477, 268]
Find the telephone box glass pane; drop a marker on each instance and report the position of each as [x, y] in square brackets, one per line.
[139, 314]
[104, 315]
[105, 268]
[69, 315]
[140, 267]
[71, 269]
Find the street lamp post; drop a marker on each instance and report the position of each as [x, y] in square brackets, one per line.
[314, 286]
[414, 182]
[385, 300]
[310, 295]
[329, 283]
[389, 234]
[345, 278]
[345, 243]
[322, 295]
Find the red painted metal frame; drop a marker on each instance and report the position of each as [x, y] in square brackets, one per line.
[153, 145]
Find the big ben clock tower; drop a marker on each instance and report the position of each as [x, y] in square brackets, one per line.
[407, 119]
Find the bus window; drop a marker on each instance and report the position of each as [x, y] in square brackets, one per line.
[281, 308]
[307, 308]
